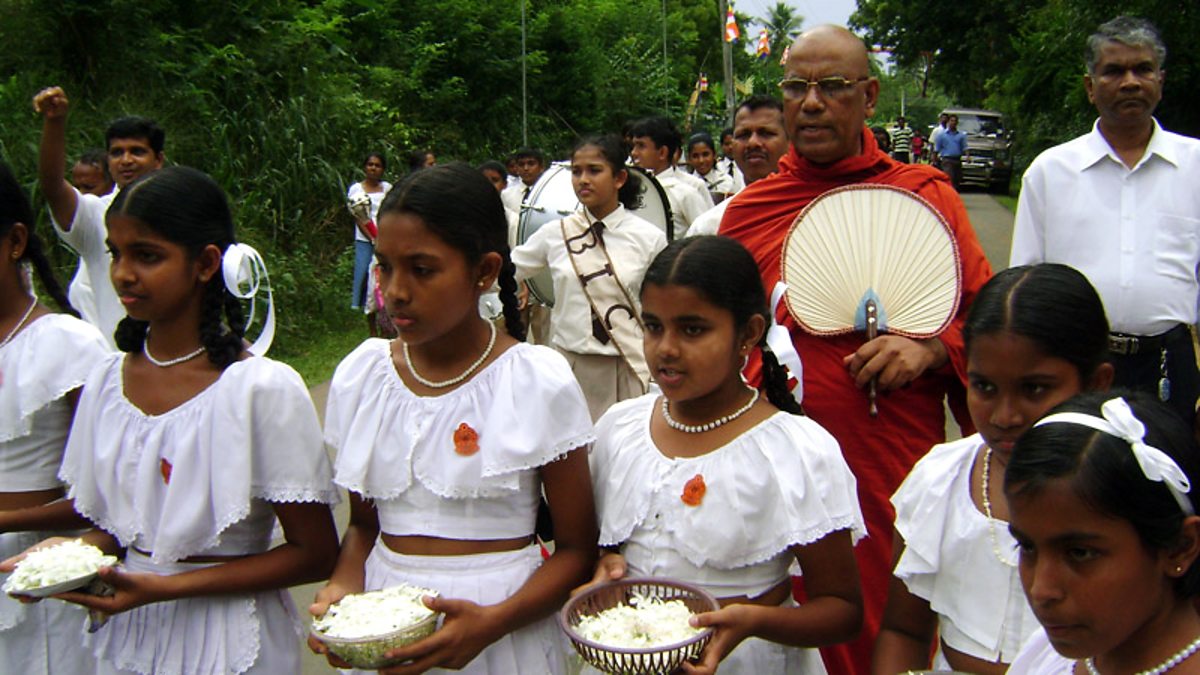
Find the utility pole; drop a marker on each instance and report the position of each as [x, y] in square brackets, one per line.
[524, 86]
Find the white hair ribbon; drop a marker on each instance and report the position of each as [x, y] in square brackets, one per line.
[780, 342]
[1120, 421]
[245, 274]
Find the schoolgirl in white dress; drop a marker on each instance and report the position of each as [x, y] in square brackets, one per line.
[447, 437]
[594, 322]
[710, 483]
[44, 360]
[1102, 497]
[702, 163]
[188, 449]
[1035, 336]
[371, 188]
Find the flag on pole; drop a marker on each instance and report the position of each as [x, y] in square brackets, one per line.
[763, 50]
[783, 59]
[731, 28]
[703, 84]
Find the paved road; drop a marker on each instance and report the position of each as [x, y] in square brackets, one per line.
[993, 227]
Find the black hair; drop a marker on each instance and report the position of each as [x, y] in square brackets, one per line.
[464, 210]
[612, 148]
[416, 159]
[136, 127]
[758, 102]
[377, 155]
[726, 133]
[98, 158]
[660, 130]
[493, 165]
[188, 208]
[701, 137]
[530, 153]
[14, 208]
[882, 138]
[1052, 305]
[725, 273]
[1103, 472]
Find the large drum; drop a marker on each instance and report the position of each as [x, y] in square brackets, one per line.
[553, 198]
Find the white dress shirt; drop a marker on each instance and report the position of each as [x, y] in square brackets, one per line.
[631, 243]
[91, 290]
[688, 196]
[709, 222]
[1135, 233]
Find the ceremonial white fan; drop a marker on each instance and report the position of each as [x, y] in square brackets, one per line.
[863, 252]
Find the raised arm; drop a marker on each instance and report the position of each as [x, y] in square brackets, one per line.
[51, 103]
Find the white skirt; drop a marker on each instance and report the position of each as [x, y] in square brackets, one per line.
[44, 638]
[487, 579]
[255, 634]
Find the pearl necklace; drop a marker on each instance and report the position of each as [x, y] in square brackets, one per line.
[462, 376]
[701, 428]
[1174, 660]
[169, 362]
[24, 317]
[987, 508]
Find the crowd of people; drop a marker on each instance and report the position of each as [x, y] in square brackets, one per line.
[666, 416]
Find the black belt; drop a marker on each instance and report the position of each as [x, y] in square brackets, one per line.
[1128, 345]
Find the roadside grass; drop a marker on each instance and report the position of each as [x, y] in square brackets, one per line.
[1007, 201]
[323, 351]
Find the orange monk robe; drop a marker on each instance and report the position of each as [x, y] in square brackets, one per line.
[880, 451]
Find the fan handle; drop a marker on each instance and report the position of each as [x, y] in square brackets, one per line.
[872, 313]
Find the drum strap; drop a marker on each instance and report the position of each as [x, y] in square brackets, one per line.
[614, 314]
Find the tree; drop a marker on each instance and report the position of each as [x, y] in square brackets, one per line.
[783, 25]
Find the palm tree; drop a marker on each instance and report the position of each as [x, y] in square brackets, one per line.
[782, 24]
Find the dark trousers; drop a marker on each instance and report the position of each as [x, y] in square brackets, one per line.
[1142, 371]
[953, 168]
[902, 157]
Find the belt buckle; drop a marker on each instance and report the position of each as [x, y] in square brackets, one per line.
[1122, 344]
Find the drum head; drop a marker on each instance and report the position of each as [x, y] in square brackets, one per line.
[552, 198]
[655, 207]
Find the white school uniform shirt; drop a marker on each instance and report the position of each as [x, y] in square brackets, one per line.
[709, 222]
[631, 243]
[1134, 233]
[1038, 657]
[514, 195]
[688, 196]
[950, 558]
[91, 291]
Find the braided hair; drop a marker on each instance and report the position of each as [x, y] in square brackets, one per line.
[725, 273]
[187, 207]
[464, 210]
[14, 208]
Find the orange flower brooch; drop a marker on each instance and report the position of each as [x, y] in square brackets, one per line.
[466, 440]
[693, 491]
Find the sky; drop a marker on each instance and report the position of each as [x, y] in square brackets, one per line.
[815, 12]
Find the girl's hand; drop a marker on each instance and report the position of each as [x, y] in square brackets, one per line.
[610, 567]
[731, 626]
[467, 629]
[131, 590]
[331, 593]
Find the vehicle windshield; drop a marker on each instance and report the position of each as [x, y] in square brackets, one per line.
[980, 125]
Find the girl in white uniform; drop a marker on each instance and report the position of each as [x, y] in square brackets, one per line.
[188, 449]
[1102, 497]
[44, 360]
[955, 575]
[710, 483]
[447, 436]
[608, 191]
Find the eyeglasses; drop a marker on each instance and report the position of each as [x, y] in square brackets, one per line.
[796, 88]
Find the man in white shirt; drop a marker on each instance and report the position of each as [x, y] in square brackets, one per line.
[655, 142]
[135, 148]
[759, 141]
[531, 164]
[1121, 205]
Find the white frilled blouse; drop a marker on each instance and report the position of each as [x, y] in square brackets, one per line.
[950, 558]
[462, 464]
[196, 479]
[783, 483]
[49, 358]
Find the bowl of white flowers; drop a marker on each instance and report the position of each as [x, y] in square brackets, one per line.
[67, 566]
[637, 626]
[362, 627]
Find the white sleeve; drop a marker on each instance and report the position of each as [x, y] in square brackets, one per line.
[1029, 234]
[87, 232]
[533, 256]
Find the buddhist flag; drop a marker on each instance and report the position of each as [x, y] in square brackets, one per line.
[731, 28]
[787, 49]
[763, 50]
[702, 85]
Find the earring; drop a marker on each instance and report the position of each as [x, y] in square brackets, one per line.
[1179, 569]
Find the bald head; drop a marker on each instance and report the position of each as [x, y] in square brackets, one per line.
[826, 121]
